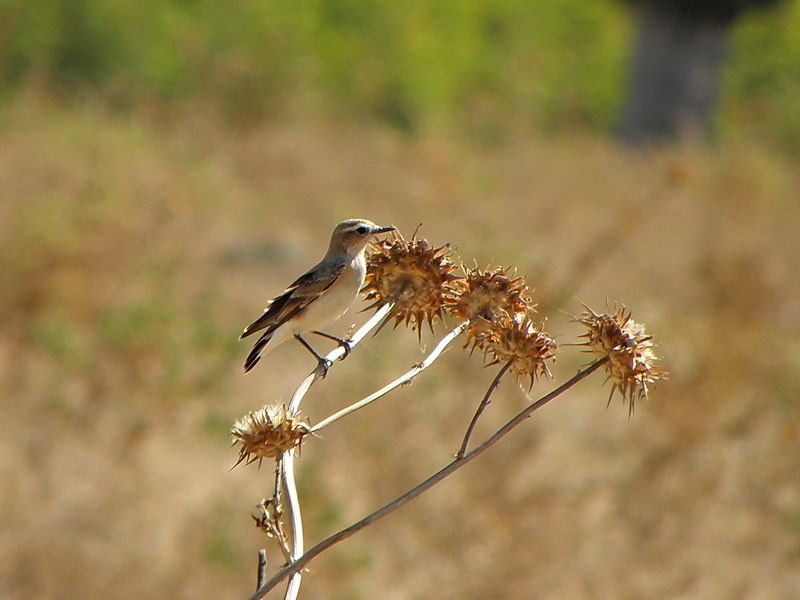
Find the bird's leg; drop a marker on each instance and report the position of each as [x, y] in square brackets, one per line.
[342, 342]
[324, 363]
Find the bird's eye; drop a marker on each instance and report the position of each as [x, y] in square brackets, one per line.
[362, 230]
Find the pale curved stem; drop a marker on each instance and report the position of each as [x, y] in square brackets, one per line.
[295, 520]
[402, 380]
[437, 477]
[336, 353]
[287, 460]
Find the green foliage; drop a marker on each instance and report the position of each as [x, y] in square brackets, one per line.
[763, 78]
[62, 340]
[466, 64]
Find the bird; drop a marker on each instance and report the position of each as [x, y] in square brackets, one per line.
[319, 296]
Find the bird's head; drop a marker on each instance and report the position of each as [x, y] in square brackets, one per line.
[352, 236]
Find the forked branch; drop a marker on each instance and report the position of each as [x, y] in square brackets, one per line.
[402, 380]
[481, 407]
[456, 464]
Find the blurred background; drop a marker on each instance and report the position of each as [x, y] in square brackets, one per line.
[166, 167]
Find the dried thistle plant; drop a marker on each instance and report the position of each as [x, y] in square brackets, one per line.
[517, 340]
[267, 433]
[483, 297]
[414, 276]
[631, 360]
[414, 282]
[269, 519]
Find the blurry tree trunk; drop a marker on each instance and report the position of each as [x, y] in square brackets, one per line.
[674, 77]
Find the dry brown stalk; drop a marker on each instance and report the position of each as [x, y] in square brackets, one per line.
[413, 283]
[481, 407]
[286, 460]
[400, 381]
[437, 477]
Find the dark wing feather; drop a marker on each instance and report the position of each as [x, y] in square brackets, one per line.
[297, 296]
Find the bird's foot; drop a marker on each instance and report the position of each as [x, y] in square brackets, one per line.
[346, 344]
[323, 364]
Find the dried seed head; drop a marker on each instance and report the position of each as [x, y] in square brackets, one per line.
[488, 293]
[267, 433]
[516, 339]
[629, 350]
[413, 275]
[268, 516]
[483, 297]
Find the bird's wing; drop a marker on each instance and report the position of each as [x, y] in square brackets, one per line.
[302, 292]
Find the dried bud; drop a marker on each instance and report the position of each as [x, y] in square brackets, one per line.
[413, 275]
[629, 350]
[267, 433]
[517, 340]
[485, 296]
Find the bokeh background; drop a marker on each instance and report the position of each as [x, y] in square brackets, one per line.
[166, 167]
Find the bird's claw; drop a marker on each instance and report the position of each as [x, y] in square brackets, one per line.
[346, 345]
[323, 365]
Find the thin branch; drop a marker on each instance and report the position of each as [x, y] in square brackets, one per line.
[271, 525]
[262, 568]
[402, 380]
[481, 407]
[278, 512]
[276, 494]
[336, 353]
[424, 486]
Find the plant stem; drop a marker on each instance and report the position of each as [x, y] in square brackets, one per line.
[481, 407]
[424, 486]
[403, 379]
[293, 504]
[337, 352]
[286, 462]
[262, 568]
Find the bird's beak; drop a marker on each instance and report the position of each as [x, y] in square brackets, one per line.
[384, 229]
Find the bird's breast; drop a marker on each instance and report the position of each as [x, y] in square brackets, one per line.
[335, 301]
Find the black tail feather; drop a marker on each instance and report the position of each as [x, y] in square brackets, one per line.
[255, 353]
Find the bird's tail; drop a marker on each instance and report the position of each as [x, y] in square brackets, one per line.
[258, 348]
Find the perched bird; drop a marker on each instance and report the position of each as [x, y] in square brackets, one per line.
[319, 296]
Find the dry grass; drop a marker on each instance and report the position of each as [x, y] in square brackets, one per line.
[132, 254]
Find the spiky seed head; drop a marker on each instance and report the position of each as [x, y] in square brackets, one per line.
[486, 293]
[483, 296]
[267, 433]
[631, 360]
[516, 339]
[412, 274]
